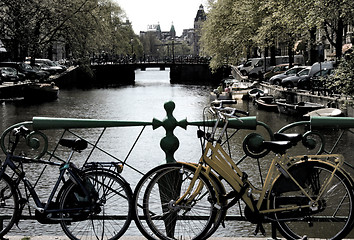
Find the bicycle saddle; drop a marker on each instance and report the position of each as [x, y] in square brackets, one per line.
[294, 138]
[277, 146]
[76, 145]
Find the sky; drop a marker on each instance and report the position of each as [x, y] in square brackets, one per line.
[142, 13]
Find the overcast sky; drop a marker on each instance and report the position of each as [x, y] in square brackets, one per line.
[148, 12]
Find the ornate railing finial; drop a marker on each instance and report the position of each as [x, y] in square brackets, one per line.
[170, 143]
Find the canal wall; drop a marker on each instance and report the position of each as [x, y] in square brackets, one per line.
[85, 77]
[8, 92]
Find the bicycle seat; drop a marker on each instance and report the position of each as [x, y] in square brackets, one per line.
[294, 138]
[277, 146]
[76, 145]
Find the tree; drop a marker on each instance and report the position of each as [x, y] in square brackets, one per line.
[84, 26]
[332, 16]
[343, 78]
[228, 32]
[234, 28]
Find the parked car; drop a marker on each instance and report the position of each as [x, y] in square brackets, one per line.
[276, 70]
[46, 68]
[57, 63]
[306, 74]
[48, 65]
[276, 79]
[314, 81]
[291, 82]
[41, 73]
[247, 66]
[9, 74]
[264, 65]
[26, 69]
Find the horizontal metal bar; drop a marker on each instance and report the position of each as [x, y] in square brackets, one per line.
[42, 123]
[332, 122]
[227, 218]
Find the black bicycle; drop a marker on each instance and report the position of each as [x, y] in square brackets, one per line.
[92, 202]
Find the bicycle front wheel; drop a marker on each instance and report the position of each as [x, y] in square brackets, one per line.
[140, 189]
[8, 204]
[190, 219]
[331, 217]
[106, 219]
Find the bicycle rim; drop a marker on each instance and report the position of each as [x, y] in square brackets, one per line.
[331, 219]
[8, 204]
[188, 220]
[108, 219]
[140, 189]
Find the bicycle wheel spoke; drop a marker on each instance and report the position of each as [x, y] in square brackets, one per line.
[103, 221]
[330, 216]
[171, 220]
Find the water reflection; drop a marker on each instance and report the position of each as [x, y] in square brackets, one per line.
[143, 102]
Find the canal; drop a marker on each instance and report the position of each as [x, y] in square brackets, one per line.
[143, 102]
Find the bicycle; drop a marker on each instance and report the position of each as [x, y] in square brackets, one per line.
[86, 203]
[302, 195]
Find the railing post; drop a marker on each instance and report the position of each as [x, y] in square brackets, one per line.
[170, 143]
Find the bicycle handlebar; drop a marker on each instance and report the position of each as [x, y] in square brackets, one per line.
[229, 111]
[221, 102]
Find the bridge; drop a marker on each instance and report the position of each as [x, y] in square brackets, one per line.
[180, 72]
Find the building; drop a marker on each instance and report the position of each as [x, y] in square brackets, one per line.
[160, 35]
[198, 23]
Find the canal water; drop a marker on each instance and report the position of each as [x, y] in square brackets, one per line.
[143, 102]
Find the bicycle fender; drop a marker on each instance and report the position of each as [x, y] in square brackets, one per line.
[116, 174]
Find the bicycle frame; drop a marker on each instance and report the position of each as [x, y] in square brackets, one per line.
[21, 177]
[223, 165]
[217, 159]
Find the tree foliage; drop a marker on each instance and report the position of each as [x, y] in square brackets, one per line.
[342, 80]
[233, 27]
[85, 26]
[226, 22]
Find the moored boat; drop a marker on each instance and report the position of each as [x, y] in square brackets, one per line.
[297, 109]
[41, 92]
[325, 112]
[256, 93]
[240, 89]
[266, 103]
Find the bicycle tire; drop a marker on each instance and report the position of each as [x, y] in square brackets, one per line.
[138, 197]
[9, 204]
[112, 214]
[185, 221]
[332, 218]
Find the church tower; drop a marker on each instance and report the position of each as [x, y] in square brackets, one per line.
[173, 31]
[198, 21]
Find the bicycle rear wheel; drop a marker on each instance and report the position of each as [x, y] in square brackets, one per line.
[330, 218]
[140, 189]
[9, 207]
[187, 220]
[108, 218]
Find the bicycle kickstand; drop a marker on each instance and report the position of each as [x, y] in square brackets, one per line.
[274, 232]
